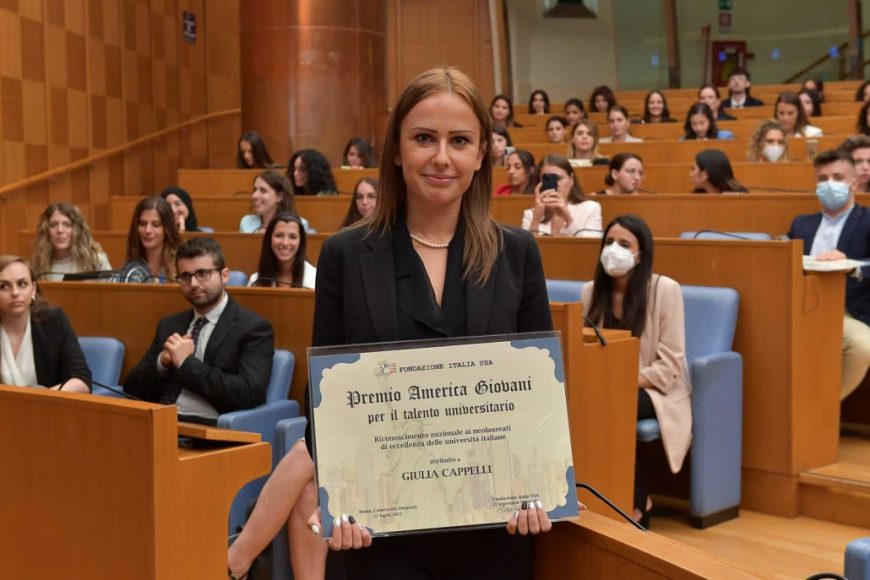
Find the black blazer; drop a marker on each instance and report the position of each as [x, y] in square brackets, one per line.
[355, 300]
[56, 351]
[236, 368]
[723, 116]
[855, 243]
[749, 102]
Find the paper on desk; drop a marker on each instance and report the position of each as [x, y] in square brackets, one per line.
[813, 265]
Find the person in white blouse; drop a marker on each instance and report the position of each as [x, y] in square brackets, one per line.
[560, 209]
[64, 245]
[790, 114]
[282, 257]
[618, 122]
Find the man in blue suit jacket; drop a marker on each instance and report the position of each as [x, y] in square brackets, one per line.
[842, 230]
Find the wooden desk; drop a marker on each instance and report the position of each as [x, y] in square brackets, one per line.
[789, 331]
[207, 182]
[95, 487]
[597, 547]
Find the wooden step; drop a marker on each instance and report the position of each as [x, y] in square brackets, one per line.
[840, 492]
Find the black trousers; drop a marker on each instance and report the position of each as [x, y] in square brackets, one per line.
[645, 410]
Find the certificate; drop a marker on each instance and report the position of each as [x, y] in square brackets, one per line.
[427, 435]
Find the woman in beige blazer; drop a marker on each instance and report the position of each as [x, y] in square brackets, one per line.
[626, 294]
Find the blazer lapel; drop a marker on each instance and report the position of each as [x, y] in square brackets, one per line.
[379, 286]
[40, 352]
[849, 228]
[222, 329]
[478, 301]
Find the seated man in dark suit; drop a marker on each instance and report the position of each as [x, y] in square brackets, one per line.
[212, 359]
[739, 82]
[842, 230]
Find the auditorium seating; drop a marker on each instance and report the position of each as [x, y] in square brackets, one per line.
[717, 398]
[858, 559]
[105, 356]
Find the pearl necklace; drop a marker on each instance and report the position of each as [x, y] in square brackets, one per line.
[427, 243]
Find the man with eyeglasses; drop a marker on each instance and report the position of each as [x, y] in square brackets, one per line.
[210, 360]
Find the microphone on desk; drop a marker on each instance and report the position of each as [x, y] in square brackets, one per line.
[596, 330]
[724, 234]
[107, 387]
[578, 232]
[777, 189]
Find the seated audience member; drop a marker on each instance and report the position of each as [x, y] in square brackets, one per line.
[815, 84]
[154, 238]
[739, 82]
[252, 152]
[358, 154]
[624, 176]
[790, 114]
[213, 358]
[539, 103]
[842, 230]
[709, 95]
[310, 173]
[498, 145]
[556, 126]
[282, 257]
[626, 294]
[521, 174]
[768, 143]
[363, 201]
[602, 99]
[617, 121]
[858, 148]
[862, 95]
[574, 111]
[583, 149]
[655, 108]
[38, 346]
[272, 195]
[810, 102]
[712, 173]
[561, 211]
[701, 124]
[863, 125]
[64, 244]
[182, 209]
[502, 111]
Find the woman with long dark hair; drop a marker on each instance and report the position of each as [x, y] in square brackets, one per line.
[712, 173]
[539, 103]
[358, 154]
[272, 194]
[502, 111]
[154, 238]
[521, 174]
[561, 210]
[626, 294]
[624, 175]
[655, 108]
[363, 201]
[282, 256]
[701, 124]
[252, 152]
[310, 173]
[602, 99]
[789, 112]
[182, 208]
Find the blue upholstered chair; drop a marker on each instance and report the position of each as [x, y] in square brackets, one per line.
[237, 278]
[716, 374]
[858, 559]
[736, 236]
[263, 420]
[104, 356]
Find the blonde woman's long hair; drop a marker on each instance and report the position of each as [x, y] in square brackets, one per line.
[482, 233]
[756, 143]
[85, 251]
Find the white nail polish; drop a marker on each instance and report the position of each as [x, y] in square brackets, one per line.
[517, 514]
[315, 530]
[540, 505]
[337, 523]
[344, 518]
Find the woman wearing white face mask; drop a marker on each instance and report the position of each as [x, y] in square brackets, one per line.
[626, 294]
[768, 143]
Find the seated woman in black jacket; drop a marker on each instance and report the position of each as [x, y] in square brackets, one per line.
[38, 346]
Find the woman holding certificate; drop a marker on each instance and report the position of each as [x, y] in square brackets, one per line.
[430, 262]
[626, 294]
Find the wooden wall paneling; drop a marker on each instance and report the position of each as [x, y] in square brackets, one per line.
[165, 30]
[137, 82]
[223, 61]
[192, 86]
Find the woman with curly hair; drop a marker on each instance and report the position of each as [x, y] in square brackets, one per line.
[64, 245]
[768, 143]
[310, 173]
[602, 99]
[153, 237]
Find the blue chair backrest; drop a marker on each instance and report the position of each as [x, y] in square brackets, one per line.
[711, 319]
[283, 363]
[733, 236]
[564, 290]
[104, 356]
[237, 278]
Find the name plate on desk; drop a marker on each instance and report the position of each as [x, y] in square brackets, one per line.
[427, 435]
